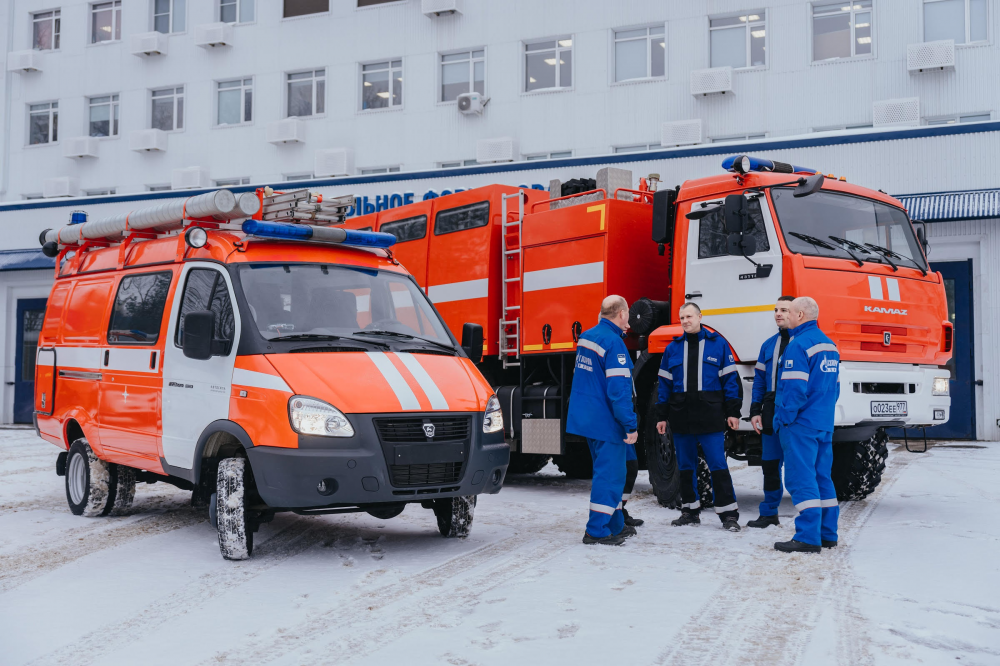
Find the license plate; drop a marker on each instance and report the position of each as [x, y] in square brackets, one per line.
[888, 408]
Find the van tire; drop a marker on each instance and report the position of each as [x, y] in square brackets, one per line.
[88, 481]
[858, 466]
[454, 516]
[235, 534]
[123, 489]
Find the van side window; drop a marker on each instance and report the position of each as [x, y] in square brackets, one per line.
[412, 228]
[462, 218]
[138, 309]
[206, 289]
[712, 235]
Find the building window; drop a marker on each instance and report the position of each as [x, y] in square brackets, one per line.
[456, 164]
[382, 84]
[43, 123]
[549, 156]
[105, 22]
[375, 170]
[307, 93]
[168, 109]
[101, 192]
[303, 7]
[372, 3]
[236, 11]
[168, 16]
[637, 148]
[299, 176]
[962, 20]
[103, 116]
[232, 182]
[157, 188]
[641, 53]
[461, 73]
[45, 30]
[548, 64]
[841, 31]
[738, 41]
[32, 197]
[738, 137]
[235, 102]
[952, 120]
[841, 128]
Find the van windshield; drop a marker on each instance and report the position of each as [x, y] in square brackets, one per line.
[847, 227]
[314, 300]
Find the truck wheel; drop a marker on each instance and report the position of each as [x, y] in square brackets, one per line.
[235, 533]
[526, 463]
[704, 482]
[454, 515]
[661, 461]
[858, 466]
[122, 490]
[88, 481]
[576, 463]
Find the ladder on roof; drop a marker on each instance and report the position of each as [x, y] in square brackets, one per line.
[510, 315]
[305, 207]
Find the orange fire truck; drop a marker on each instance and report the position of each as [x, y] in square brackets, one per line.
[532, 270]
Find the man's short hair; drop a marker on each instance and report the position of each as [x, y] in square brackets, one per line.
[785, 298]
[689, 304]
[808, 306]
[612, 306]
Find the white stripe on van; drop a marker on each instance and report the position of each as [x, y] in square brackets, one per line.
[459, 291]
[424, 379]
[407, 400]
[564, 276]
[260, 380]
[75, 357]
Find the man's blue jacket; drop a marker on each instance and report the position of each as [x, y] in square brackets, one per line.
[700, 407]
[600, 402]
[765, 380]
[808, 386]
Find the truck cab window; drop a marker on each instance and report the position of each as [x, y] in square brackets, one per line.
[712, 236]
[206, 290]
[138, 309]
[462, 218]
[412, 228]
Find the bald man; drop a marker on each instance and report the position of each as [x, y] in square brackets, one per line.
[804, 411]
[600, 409]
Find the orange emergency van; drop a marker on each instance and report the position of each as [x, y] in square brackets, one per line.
[269, 366]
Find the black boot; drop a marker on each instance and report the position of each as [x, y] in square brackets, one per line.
[627, 531]
[612, 540]
[687, 518]
[829, 544]
[764, 521]
[630, 521]
[731, 523]
[794, 546]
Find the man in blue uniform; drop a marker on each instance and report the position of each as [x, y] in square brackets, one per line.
[765, 379]
[804, 410]
[700, 394]
[600, 409]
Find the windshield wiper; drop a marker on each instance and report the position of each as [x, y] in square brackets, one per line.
[407, 336]
[846, 246]
[886, 252]
[818, 242]
[307, 336]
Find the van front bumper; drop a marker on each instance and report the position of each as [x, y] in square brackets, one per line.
[356, 471]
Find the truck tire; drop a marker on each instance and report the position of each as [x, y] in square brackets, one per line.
[661, 461]
[704, 482]
[576, 463]
[526, 463]
[858, 466]
[88, 481]
[123, 489]
[235, 533]
[454, 516]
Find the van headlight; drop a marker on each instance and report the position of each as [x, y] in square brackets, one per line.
[493, 419]
[310, 416]
[942, 386]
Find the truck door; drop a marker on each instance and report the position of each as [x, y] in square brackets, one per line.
[196, 392]
[732, 298]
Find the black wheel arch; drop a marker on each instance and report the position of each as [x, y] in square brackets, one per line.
[220, 439]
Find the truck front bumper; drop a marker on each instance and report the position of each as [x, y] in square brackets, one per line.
[893, 393]
[356, 471]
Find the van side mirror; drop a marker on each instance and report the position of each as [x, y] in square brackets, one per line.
[664, 214]
[199, 327]
[472, 341]
[809, 185]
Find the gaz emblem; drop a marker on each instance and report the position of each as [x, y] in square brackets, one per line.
[429, 429]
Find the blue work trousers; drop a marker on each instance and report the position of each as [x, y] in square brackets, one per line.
[808, 459]
[606, 488]
[713, 446]
[771, 461]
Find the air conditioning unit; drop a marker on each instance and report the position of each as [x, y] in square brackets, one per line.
[930, 56]
[432, 8]
[334, 162]
[24, 61]
[80, 146]
[65, 186]
[213, 34]
[680, 133]
[189, 178]
[149, 44]
[504, 149]
[896, 112]
[289, 130]
[147, 140]
[473, 102]
[714, 81]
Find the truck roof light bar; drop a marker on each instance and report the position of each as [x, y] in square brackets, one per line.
[308, 232]
[743, 164]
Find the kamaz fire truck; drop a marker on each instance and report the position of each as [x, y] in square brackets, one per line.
[532, 267]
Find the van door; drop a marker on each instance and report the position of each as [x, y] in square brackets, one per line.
[131, 380]
[732, 298]
[196, 392]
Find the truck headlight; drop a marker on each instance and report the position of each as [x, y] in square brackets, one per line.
[493, 419]
[942, 386]
[310, 416]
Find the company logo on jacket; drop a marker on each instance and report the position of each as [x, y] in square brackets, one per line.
[622, 358]
[788, 363]
[827, 365]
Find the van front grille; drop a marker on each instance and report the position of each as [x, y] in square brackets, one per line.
[433, 474]
[402, 430]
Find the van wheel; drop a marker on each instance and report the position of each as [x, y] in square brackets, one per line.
[454, 515]
[87, 481]
[235, 534]
[123, 492]
[858, 466]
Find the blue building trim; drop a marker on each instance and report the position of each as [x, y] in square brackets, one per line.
[25, 260]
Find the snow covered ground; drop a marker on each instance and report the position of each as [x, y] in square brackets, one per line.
[916, 579]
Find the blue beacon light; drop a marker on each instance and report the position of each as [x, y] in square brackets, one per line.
[743, 164]
[306, 232]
